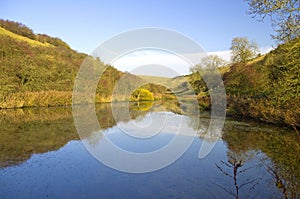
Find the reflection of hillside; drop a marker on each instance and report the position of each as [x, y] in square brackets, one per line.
[27, 131]
[141, 105]
[281, 147]
[34, 114]
[24, 132]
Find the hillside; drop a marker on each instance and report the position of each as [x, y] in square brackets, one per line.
[268, 89]
[163, 85]
[39, 70]
[20, 38]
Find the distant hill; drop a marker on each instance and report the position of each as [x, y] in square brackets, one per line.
[176, 85]
[39, 70]
[155, 79]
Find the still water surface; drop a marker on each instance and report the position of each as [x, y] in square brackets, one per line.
[41, 156]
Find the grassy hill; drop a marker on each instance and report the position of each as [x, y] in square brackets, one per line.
[39, 70]
[35, 73]
[172, 86]
[267, 89]
[20, 38]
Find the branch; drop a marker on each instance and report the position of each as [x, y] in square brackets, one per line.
[224, 172]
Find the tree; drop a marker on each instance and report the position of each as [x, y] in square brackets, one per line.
[205, 75]
[141, 95]
[212, 62]
[242, 49]
[284, 16]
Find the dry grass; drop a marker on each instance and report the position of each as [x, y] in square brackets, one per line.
[36, 99]
[31, 42]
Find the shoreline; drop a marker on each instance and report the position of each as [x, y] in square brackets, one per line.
[229, 113]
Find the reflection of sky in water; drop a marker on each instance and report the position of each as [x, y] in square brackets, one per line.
[71, 172]
[150, 132]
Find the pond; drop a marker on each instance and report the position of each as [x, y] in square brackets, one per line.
[42, 156]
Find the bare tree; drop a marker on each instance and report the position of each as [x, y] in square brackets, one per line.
[210, 62]
[235, 163]
[284, 15]
[242, 49]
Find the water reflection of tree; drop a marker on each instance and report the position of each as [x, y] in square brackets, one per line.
[280, 151]
[284, 180]
[232, 169]
[278, 180]
[202, 123]
[279, 145]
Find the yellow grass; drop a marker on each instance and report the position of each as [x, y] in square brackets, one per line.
[21, 38]
[257, 59]
[224, 70]
[36, 99]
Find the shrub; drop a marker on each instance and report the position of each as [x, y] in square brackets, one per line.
[141, 95]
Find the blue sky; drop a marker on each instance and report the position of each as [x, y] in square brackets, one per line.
[86, 24]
